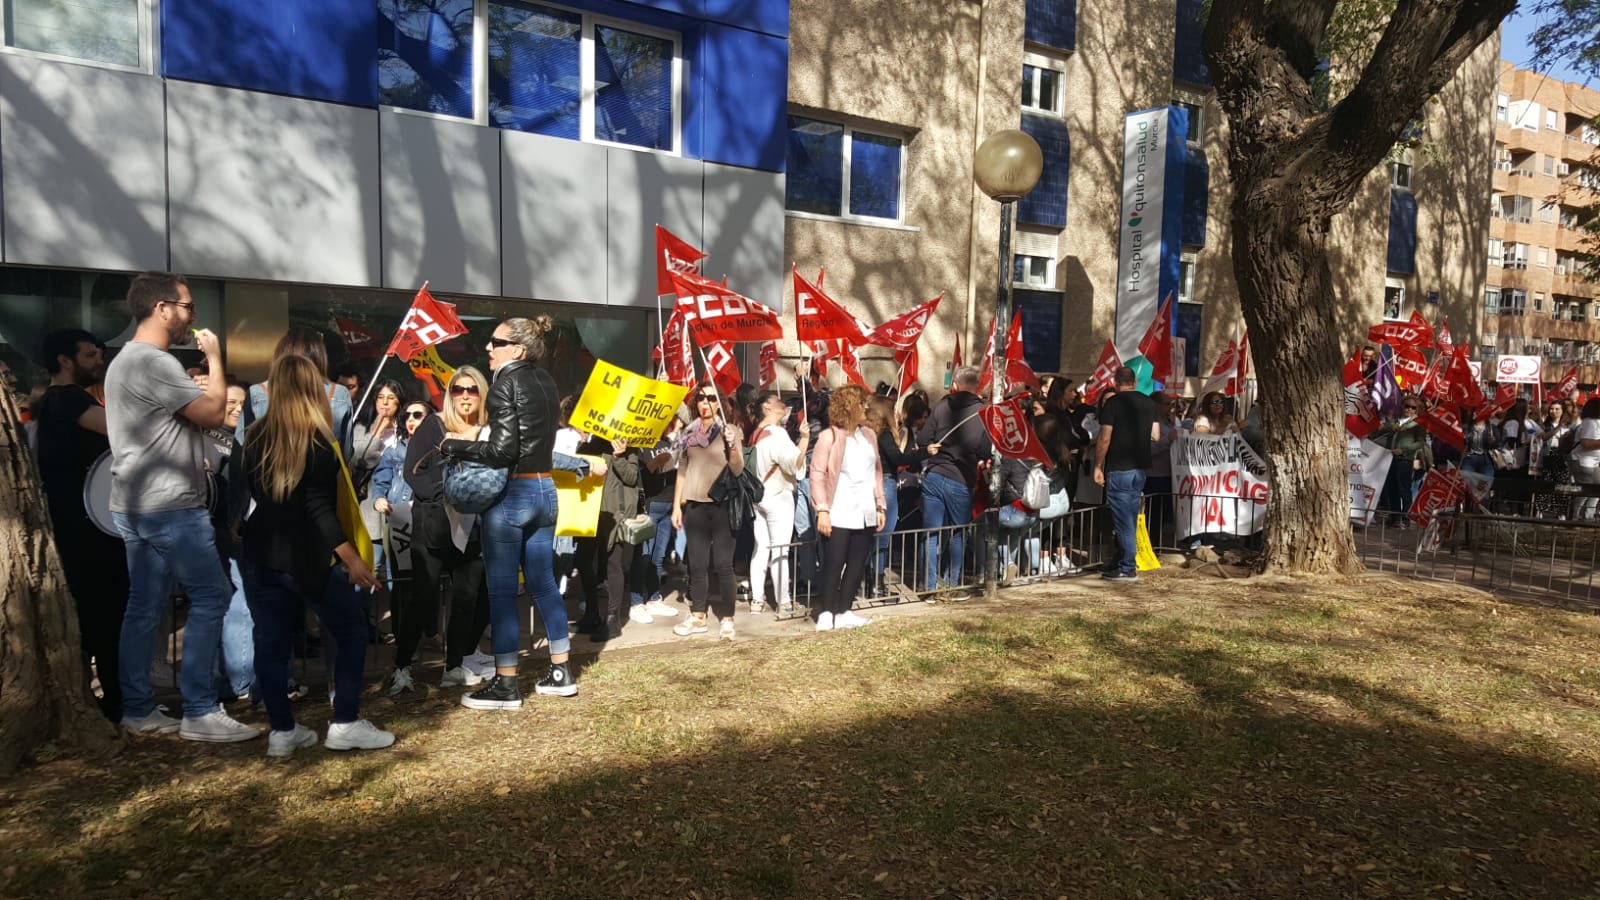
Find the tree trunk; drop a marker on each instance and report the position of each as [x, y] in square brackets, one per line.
[44, 688]
[1286, 291]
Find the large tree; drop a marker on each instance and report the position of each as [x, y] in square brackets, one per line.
[1297, 156]
[44, 692]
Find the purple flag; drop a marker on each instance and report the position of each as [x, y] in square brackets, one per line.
[1385, 392]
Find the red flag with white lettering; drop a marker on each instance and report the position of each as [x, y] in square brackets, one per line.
[1443, 423]
[1441, 488]
[1156, 345]
[1360, 417]
[723, 367]
[1012, 433]
[903, 330]
[717, 315]
[427, 322]
[769, 363]
[1566, 386]
[1225, 374]
[675, 352]
[1442, 340]
[1410, 368]
[674, 254]
[1415, 332]
[1018, 372]
[1504, 396]
[818, 318]
[1105, 374]
[357, 339]
[1461, 387]
[908, 360]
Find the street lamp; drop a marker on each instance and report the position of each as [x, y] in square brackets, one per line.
[1007, 166]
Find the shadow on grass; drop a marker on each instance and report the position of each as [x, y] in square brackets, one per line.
[1018, 777]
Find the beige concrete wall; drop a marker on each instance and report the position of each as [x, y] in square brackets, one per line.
[944, 74]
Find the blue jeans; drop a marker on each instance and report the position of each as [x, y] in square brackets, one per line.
[278, 606]
[161, 546]
[519, 532]
[891, 518]
[1018, 522]
[1123, 492]
[238, 661]
[945, 501]
[1477, 464]
[655, 550]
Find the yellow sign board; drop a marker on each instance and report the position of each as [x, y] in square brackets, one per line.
[1146, 554]
[577, 501]
[619, 405]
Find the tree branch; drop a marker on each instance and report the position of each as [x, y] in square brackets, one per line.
[1297, 28]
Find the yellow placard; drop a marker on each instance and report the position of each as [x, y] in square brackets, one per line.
[1146, 555]
[431, 369]
[620, 405]
[577, 501]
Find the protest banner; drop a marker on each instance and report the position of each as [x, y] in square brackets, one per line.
[1369, 467]
[1220, 485]
[577, 501]
[619, 405]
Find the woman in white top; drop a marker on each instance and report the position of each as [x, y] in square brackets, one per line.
[778, 462]
[1214, 415]
[1585, 459]
[847, 491]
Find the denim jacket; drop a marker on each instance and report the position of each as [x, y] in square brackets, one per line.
[384, 482]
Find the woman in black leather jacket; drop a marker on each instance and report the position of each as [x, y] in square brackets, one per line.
[519, 530]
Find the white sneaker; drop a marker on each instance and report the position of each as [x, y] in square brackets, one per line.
[154, 723]
[659, 607]
[480, 664]
[849, 620]
[637, 613]
[357, 735]
[216, 727]
[460, 676]
[825, 622]
[757, 607]
[285, 743]
[400, 682]
[726, 631]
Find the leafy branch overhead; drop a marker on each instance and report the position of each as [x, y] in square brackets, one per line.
[1569, 32]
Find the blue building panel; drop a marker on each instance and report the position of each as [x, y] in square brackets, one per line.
[1188, 321]
[1188, 62]
[1046, 204]
[1041, 328]
[766, 16]
[1402, 232]
[1196, 197]
[318, 49]
[1174, 208]
[736, 108]
[1052, 23]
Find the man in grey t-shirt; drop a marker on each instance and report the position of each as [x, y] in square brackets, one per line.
[154, 414]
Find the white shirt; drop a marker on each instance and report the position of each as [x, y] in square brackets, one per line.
[855, 503]
[774, 449]
[1588, 430]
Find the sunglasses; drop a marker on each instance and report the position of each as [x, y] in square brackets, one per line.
[500, 342]
[706, 398]
[1411, 408]
[460, 389]
[416, 414]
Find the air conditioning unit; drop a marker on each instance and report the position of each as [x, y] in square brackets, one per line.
[1563, 169]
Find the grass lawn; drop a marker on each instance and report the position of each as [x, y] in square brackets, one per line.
[1178, 737]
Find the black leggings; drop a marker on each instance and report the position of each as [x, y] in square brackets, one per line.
[844, 562]
[710, 552]
[433, 556]
[96, 567]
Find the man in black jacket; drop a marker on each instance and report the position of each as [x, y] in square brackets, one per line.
[950, 474]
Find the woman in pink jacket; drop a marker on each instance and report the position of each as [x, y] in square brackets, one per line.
[847, 491]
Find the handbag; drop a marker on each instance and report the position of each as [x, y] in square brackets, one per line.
[1503, 458]
[740, 493]
[472, 487]
[637, 530]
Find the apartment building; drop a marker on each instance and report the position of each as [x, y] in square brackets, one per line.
[1540, 297]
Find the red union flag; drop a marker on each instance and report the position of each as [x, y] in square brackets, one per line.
[1566, 386]
[1411, 367]
[850, 362]
[1156, 345]
[675, 352]
[674, 254]
[1461, 386]
[1012, 433]
[1017, 369]
[986, 364]
[363, 343]
[1227, 375]
[1443, 423]
[1504, 396]
[1442, 340]
[1416, 332]
[769, 363]
[909, 361]
[1440, 489]
[902, 331]
[818, 318]
[1360, 417]
[1105, 374]
[427, 322]
[723, 367]
[718, 315]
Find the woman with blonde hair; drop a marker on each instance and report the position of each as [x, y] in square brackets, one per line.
[847, 493]
[434, 553]
[293, 474]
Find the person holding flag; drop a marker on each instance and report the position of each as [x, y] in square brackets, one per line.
[519, 530]
[951, 475]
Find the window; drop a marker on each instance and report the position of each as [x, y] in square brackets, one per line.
[1549, 164]
[1538, 301]
[1033, 271]
[114, 32]
[1558, 310]
[1552, 120]
[1547, 212]
[1394, 299]
[1515, 257]
[839, 171]
[1186, 278]
[1502, 103]
[1579, 309]
[1516, 208]
[1042, 84]
[1496, 250]
[427, 65]
[1196, 135]
[1513, 302]
[1400, 174]
[1541, 257]
[1491, 301]
[557, 72]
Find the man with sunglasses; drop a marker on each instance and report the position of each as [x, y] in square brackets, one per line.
[155, 416]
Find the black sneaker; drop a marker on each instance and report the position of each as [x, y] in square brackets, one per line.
[500, 693]
[558, 681]
[1119, 575]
